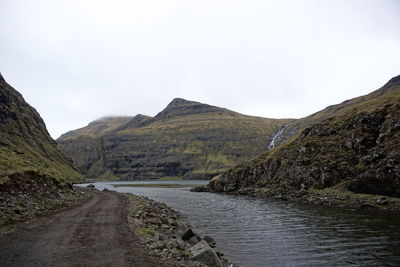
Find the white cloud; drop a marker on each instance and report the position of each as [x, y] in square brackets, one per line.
[79, 60]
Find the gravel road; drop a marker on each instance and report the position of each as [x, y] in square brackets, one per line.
[94, 233]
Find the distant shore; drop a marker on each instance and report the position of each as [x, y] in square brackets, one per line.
[338, 198]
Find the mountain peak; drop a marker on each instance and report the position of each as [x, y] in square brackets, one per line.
[137, 121]
[141, 117]
[1, 78]
[110, 118]
[180, 106]
[176, 102]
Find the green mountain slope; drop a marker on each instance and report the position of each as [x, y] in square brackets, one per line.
[25, 144]
[355, 149]
[34, 174]
[288, 131]
[187, 139]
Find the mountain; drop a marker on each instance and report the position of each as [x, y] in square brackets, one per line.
[30, 161]
[289, 130]
[187, 139]
[346, 149]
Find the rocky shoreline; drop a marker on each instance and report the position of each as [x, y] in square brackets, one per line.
[338, 198]
[166, 235]
[170, 236]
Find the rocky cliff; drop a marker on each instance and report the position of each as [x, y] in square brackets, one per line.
[30, 161]
[352, 147]
[289, 130]
[187, 139]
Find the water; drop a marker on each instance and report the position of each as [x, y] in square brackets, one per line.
[269, 232]
[277, 136]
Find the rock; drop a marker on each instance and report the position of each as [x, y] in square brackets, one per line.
[194, 239]
[203, 253]
[383, 201]
[366, 205]
[303, 187]
[202, 188]
[348, 144]
[164, 220]
[281, 197]
[165, 226]
[172, 244]
[186, 233]
[172, 222]
[357, 148]
[211, 241]
[301, 193]
[90, 186]
[219, 252]
[158, 245]
[169, 243]
[181, 244]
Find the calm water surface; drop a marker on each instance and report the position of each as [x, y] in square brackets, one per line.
[269, 232]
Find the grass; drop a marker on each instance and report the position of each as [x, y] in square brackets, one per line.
[205, 143]
[324, 145]
[341, 191]
[153, 185]
[107, 176]
[147, 232]
[171, 178]
[138, 204]
[30, 159]
[98, 127]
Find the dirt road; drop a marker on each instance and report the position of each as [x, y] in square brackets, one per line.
[92, 234]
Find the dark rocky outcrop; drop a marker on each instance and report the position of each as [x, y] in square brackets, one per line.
[187, 139]
[355, 151]
[32, 168]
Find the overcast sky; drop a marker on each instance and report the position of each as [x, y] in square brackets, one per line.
[76, 60]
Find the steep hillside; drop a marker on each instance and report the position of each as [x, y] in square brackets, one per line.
[25, 144]
[30, 162]
[290, 130]
[187, 139]
[355, 150]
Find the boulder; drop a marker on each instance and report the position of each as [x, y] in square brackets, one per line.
[194, 239]
[203, 253]
[383, 201]
[186, 233]
[211, 241]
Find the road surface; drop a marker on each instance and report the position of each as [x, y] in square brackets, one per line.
[92, 234]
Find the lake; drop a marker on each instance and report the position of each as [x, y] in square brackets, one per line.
[269, 232]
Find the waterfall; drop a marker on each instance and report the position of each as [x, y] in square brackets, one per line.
[276, 137]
